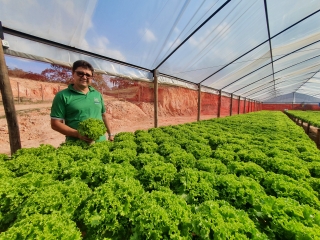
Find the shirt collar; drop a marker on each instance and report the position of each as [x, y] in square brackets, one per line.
[70, 87]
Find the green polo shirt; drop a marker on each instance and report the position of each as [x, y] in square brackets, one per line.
[73, 107]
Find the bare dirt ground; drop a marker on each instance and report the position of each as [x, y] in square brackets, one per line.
[35, 129]
[33, 112]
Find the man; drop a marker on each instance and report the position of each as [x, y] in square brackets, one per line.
[78, 102]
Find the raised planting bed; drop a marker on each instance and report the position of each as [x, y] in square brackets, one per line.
[309, 120]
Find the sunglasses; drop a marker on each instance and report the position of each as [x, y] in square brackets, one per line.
[82, 74]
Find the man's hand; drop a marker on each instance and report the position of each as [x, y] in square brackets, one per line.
[84, 138]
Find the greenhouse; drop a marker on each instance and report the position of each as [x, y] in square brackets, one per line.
[214, 105]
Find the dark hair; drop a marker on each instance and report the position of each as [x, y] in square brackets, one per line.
[82, 63]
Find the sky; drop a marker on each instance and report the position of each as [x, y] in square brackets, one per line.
[144, 32]
[26, 64]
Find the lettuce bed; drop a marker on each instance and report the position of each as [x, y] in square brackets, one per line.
[252, 176]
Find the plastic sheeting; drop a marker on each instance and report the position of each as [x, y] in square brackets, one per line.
[230, 52]
[294, 98]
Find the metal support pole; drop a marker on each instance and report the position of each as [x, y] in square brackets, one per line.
[155, 82]
[8, 104]
[239, 105]
[219, 104]
[244, 108]
[199, 101]
[231, 97]
[293, 100]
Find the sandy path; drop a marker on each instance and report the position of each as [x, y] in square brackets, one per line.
[35, 129]
[22, 107]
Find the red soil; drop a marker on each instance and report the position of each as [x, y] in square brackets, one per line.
[176, 106]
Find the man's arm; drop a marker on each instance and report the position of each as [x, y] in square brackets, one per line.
[59, 126]
[106, 123]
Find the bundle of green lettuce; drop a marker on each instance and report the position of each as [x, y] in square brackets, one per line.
[92, 128]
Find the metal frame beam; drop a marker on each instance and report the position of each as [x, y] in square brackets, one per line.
[267, 93]
[269, 39]
[271, 63]
[276, 73]
[278, 82]
[307, 80]
[301, 20]
[190, 35]
[69, 48]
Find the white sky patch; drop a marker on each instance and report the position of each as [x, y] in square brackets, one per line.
[101, 46]
[173, 44]
[62, 21]
[148, 35]
[199, 41]
[176, 30]
[193, 41]
[23, 60]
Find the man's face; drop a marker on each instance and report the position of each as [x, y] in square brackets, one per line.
[82, 77]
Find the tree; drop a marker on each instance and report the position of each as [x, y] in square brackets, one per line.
[58, 73]
[19, 73]
[100, 81]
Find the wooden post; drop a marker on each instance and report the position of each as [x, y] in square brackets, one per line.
[219, 104]
[42, 92]
[18, 92]
[244, 108]
[199, 101]
[318, 137]
[155, 82]
[308, 128]
[239, 105]
[231, 104]
[8, 104]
